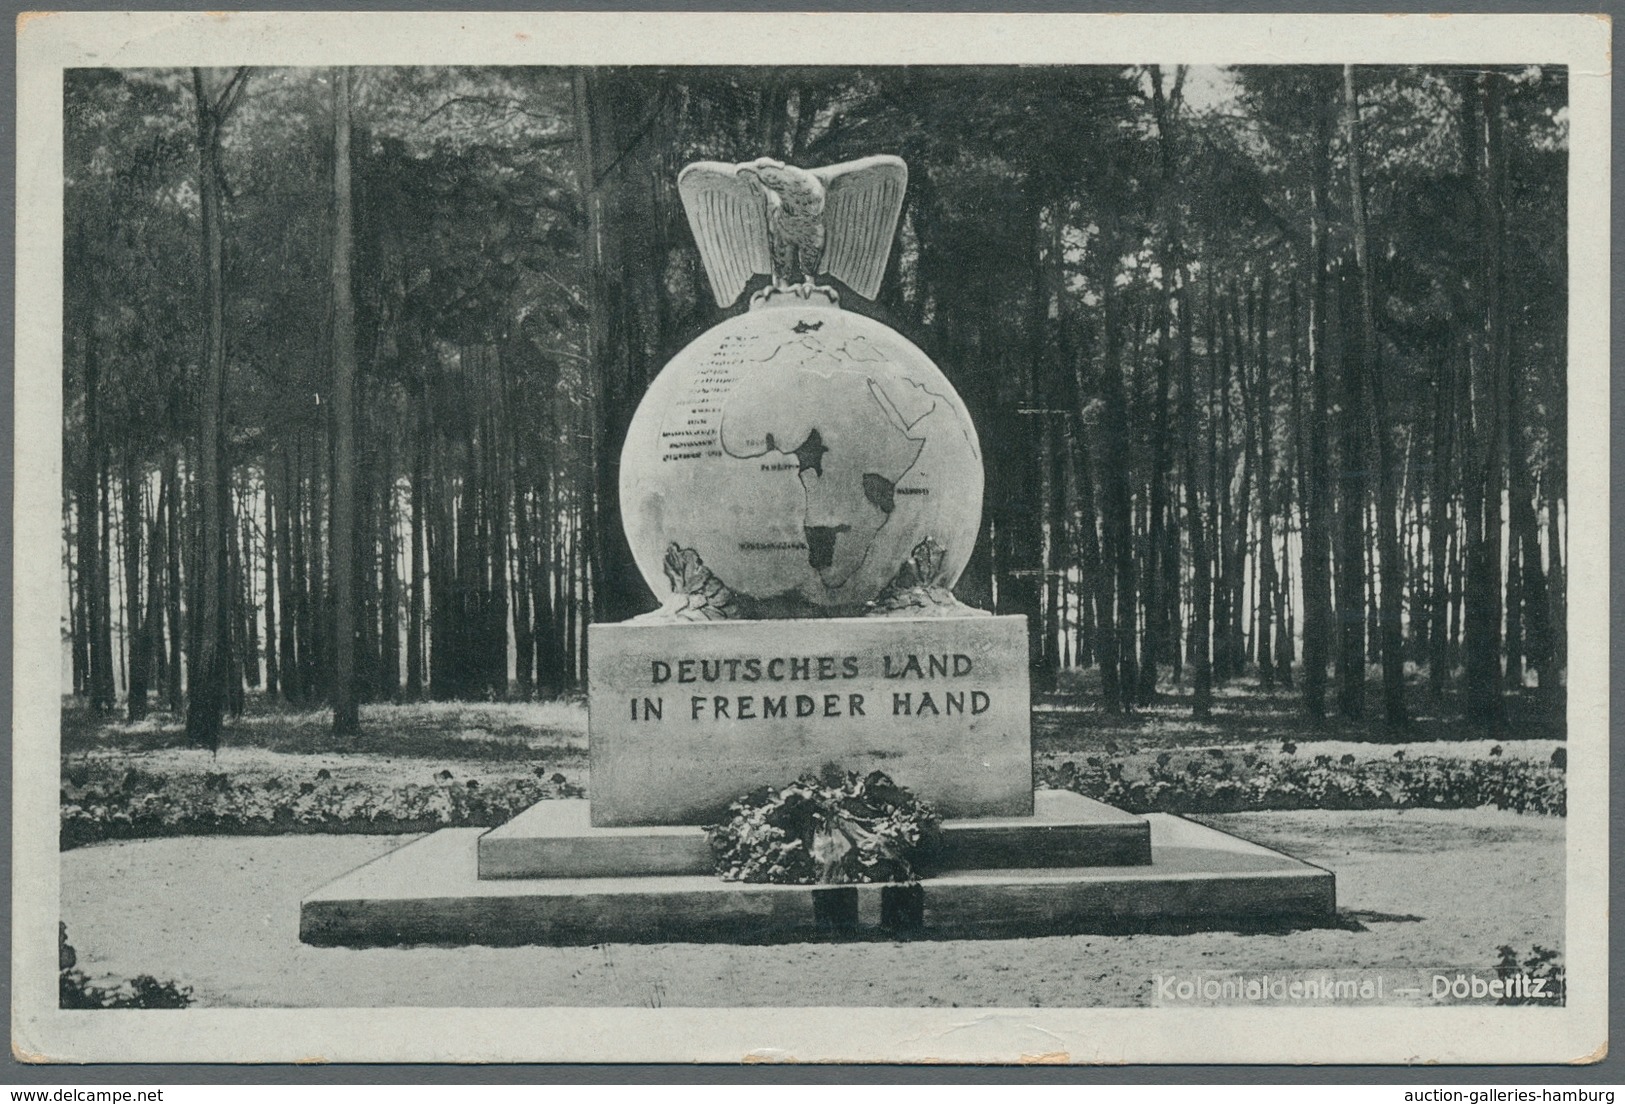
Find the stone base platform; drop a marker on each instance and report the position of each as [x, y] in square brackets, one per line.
[429, 892]
[554, 839]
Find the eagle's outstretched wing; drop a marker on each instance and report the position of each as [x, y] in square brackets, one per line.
[729, 221]
[863, 200]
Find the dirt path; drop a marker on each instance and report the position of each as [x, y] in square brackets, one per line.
[220, 914]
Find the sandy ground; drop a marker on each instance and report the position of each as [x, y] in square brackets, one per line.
[220, 914]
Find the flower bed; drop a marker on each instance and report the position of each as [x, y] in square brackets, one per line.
[107, 801]
[1222, 781]
[110, 799]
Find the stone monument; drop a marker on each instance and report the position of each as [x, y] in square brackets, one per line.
[801, 488]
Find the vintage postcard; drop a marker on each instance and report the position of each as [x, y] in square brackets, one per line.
[809, 537]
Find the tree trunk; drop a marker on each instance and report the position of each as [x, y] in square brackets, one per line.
[1096, 576]
[273, 560]
[524, 634]
[92, 519]
[1236, 571]
[1223, 469]
[78, 596]
[234, 649]
[1267, 581]
[1252, 383]
[1391, 564]
[497, 498]
[575, 565]
[290, 583]
[420, 521]
[618, 123]
[172, 592]
[1530, 592]
[544, 574]
[1351, 508]
[1317, 547]
[207, 698]
[250, 608]
[1118, 499]
[1464, 513]
[94, 509]
[314, 644]
[364, 578]
[440, 586]
[137, 629]
[1483, 700]
[296, 591]
[389, 601]
[1217, 493]
[157, 542]
[1439, 525]
[113, 549]
[346, 711]
[1046, 523]
[1557, 624]
[1162, 454]
[1553, 489]
[1201, 581]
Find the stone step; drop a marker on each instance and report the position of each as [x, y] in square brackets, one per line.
[554, 839]
[428, 892]
[1066, 829]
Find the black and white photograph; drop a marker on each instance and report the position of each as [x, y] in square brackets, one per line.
[636, 537]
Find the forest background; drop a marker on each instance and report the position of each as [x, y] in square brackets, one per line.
[1268, 363]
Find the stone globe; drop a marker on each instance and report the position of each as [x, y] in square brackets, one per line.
[803, 454]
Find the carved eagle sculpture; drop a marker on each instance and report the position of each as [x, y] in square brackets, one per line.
[767, 217]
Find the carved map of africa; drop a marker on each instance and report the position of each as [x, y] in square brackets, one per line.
[801, 451]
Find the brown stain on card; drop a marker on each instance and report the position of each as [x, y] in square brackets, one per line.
[29, 1056]
[1594, 1057]
[25, 18]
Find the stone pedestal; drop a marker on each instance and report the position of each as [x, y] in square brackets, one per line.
[680, 726]
[554, 839]
[685, 718]
[1190, 878]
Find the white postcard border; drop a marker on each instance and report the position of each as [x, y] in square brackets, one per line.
[48, 43]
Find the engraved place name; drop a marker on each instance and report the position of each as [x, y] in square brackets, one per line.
[771, 705]
[690, 429]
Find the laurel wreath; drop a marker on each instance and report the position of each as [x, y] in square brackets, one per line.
[836, 827]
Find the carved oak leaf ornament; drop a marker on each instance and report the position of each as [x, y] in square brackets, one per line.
[917, 589]
[697, 594]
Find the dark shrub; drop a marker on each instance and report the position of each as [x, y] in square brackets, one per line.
[75, 990]
[1541, 962]
[107, 807]
[1289, 783]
